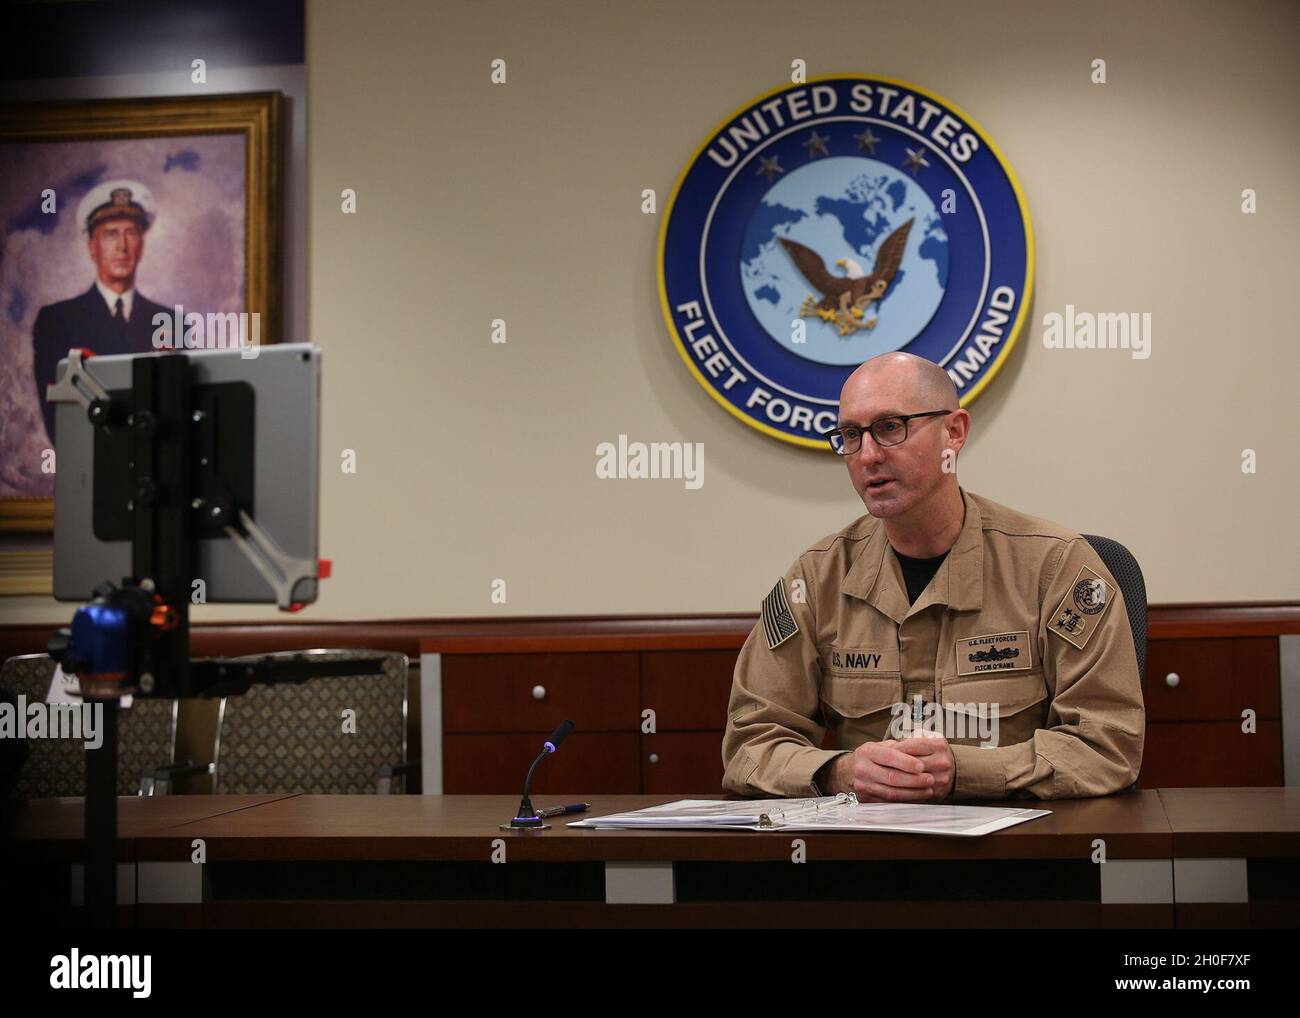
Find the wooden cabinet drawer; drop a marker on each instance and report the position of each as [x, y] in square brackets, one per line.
[687, 689]
[1216, 679]
[604, 762]
[1211, 754]
[689, 763]
[494, 692]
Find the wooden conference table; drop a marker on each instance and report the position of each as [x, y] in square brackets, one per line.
[1173, 857]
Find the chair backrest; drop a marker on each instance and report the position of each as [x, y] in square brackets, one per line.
[291, 737]
[146, 738]
[1123, 566]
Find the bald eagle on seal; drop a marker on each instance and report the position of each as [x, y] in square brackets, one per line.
[845, 299]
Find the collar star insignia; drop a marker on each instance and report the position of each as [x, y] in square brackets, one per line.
[867, 141]
[816, 145]
[915, 160]
[770, 168]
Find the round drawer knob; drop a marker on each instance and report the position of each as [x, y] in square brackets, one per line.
[1172, 680]
[539, 692]
[654, 757]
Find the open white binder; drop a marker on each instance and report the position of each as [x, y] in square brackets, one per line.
[840, 812]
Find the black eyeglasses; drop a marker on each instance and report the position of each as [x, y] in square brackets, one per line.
[887, 431]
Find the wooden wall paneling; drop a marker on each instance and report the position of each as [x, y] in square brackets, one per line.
[715, 631]
[685, 763]
[1217, 679]
[596, 762]
[603, 671]
[687, 690]
[1211, 754]
[495, 692]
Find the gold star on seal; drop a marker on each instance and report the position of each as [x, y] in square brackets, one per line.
[770, 168]
[867, 141]
[915, 160]
[816, 145]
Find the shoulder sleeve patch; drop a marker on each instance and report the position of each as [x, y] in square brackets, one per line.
[778, 620]
[1080, 612]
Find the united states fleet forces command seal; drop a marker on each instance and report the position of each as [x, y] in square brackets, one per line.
[828, 222]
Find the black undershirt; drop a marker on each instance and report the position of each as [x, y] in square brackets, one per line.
[918, 572]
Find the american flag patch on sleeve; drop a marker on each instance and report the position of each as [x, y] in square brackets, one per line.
[778, 621]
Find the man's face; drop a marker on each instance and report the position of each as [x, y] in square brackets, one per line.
[116, 247]
[910, 470]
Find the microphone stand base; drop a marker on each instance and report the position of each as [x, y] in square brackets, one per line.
[525, 827]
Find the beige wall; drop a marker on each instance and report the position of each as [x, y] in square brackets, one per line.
[476, 461]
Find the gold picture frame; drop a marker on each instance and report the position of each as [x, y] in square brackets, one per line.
[260, 117]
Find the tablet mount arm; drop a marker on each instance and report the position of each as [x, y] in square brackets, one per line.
[134, 637]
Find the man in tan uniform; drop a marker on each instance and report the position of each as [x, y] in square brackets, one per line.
[1003, 635]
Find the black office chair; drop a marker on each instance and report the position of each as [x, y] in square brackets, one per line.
[1128, 574]
[1123, 566]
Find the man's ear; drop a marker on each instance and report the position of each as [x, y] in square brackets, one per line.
[958, 425]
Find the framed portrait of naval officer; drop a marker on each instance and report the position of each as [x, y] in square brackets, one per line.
[127, 226]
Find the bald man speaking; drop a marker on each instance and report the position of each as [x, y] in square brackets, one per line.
[957, 649]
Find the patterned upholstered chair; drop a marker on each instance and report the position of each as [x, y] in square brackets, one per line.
[146, 741]
[343, 735]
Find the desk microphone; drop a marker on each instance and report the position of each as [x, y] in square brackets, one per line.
[526, 817]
